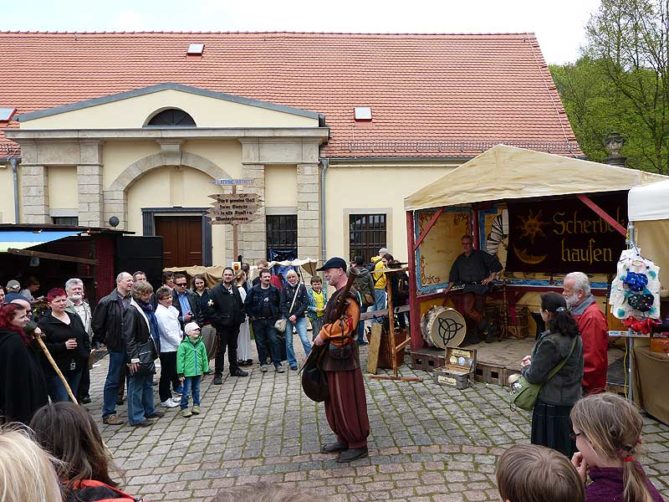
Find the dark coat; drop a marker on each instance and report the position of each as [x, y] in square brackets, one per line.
[56, 334]
[228, 308]
[301, 302]
[203, 312]
[564, 389]
[22, 385]
[253, 303]
[177, 305]
[135, 332]
[107, 322]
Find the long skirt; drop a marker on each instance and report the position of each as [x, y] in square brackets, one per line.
[551, 427]
[346, 407]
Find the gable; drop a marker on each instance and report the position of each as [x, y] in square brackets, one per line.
[131, 110]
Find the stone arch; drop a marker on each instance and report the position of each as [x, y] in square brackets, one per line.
[115, 197]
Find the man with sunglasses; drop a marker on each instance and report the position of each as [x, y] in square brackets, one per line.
[183, 300]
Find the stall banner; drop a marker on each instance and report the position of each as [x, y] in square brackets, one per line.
[563, 235]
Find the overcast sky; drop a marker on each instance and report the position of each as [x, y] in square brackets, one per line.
[559, 26]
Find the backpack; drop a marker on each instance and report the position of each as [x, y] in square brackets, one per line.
[90, 490]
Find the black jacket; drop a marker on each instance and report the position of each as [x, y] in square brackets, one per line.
[203, 312]
[253, 303]
[22, 385]
[228, 308]
[107, 322]
[135, 332]
[301, 302]
[177, 305]
[56, 334]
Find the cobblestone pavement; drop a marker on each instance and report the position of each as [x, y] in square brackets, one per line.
[428, 443]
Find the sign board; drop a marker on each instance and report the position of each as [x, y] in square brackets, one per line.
[234, 208]
[231, 181]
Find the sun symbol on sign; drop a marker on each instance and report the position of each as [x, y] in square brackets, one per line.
[448, 329]
[531, 226]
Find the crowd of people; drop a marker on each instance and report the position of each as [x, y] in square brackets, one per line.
[586, 443]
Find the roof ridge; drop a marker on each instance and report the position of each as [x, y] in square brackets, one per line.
[239, 32]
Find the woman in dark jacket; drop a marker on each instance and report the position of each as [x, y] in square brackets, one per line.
[551, 425]
[204, 314]
[22, 386]
[295, 316]
[68, 344]
[139, 326]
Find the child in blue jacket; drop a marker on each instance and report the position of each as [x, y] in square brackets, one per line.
[192, 363]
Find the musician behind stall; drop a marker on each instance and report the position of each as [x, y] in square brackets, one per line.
[473, 272]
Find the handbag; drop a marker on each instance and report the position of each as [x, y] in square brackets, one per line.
[282, 323]
[147, 355]
[524, 394]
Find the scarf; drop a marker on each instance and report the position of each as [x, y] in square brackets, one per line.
[147, 308]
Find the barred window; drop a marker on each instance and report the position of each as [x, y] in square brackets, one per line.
[367, 233]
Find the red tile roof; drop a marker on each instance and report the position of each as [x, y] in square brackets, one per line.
[432, 95]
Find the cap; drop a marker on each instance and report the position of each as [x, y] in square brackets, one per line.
[191, 326]
[335, 262]
[13, 285]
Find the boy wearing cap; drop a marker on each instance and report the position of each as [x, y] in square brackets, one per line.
[346, 405]
[192, 362]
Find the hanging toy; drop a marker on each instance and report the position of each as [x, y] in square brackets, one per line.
[644, 326]
[635, 281]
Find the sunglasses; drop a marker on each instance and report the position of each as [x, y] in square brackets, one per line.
[180, 284]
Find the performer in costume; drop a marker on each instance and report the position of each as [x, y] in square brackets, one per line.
[475, 270]
[346, 406]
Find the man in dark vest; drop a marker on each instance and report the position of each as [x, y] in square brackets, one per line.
[228, 314]
[346, 406]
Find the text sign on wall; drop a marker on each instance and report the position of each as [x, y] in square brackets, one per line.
[234, 208]
[561, 236]
[232, 181]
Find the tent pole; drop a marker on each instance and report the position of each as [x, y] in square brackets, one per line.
[414, 311]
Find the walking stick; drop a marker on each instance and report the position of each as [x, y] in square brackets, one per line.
[55, 367]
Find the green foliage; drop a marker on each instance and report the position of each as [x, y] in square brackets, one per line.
[621, 84]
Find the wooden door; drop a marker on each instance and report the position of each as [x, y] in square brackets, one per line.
[182, 240]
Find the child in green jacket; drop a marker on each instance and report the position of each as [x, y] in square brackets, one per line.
[192, 362]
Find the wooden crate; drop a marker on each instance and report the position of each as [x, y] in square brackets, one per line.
[490, 374]
[385, 358]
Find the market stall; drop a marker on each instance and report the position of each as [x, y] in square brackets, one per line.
[543, 215]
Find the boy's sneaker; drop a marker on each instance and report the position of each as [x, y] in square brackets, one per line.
[186, 413]
[169, 403]
[196, 410]
[263, 368]
[280, 369]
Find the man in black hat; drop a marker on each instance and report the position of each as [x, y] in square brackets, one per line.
[346, 406]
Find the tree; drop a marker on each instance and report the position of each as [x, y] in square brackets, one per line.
[628, 40]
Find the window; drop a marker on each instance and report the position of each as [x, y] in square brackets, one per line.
[281, 236]
[172, 117]
[367, 233]
[65, 220]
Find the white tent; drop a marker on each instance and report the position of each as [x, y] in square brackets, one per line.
[505, 172]
[648, 209]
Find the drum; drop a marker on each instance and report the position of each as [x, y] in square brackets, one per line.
[446, 327]
[425, 322]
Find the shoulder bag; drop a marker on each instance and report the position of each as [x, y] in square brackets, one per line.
[524, 394]
[281, 324]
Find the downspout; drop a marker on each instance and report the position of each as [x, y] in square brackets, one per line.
[13, 161]
[325, 163]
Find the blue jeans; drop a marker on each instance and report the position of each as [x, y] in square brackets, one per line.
[267, 341]
[194, 384]
[140, 398]
[361, 331]
[57, 390]
[379, 302]
[316, 325]
[110, 393]
[301, 328]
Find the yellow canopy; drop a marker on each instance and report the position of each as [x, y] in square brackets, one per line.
[505, 172]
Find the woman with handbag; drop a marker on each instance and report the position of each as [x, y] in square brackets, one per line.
[139, 326]
[558, 347]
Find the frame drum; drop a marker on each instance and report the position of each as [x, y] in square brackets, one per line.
[446, 328]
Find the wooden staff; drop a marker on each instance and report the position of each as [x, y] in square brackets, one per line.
[55, 367]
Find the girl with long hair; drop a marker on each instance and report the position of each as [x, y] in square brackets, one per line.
[68, 432]
[560, 343]
[607, 428]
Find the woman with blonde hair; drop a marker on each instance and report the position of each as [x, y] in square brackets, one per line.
[607, 428]
[26, 471]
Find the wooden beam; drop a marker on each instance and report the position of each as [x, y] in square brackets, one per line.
[393, 377]
[52, 256]
[603, 214]
[403, 344]
[427, 228]
[414, 327]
